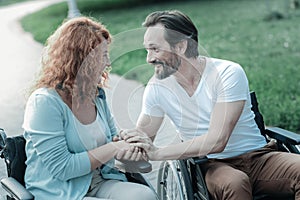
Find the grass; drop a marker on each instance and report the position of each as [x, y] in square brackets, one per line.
[269, 51]
[9, 2]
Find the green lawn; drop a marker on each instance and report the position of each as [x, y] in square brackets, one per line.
[9, 2]
[236, 30]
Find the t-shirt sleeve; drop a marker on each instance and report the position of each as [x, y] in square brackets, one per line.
[151, 105]
[232, 84]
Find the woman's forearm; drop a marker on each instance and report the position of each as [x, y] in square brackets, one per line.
[103, 154]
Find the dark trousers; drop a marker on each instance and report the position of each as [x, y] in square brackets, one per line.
[264, 171]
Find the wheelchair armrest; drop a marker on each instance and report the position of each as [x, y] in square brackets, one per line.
[198, 160]
[283, 135]
[15, 189]
[141, 166]
[136, 178]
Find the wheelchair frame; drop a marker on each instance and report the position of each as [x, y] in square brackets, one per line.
[188, 180]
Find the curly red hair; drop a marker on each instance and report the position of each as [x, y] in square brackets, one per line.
[70, 58]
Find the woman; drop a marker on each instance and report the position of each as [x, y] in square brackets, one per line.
[69, 129]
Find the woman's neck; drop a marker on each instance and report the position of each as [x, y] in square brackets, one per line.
[84, 110]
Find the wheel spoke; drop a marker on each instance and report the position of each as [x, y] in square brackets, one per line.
[173, 180]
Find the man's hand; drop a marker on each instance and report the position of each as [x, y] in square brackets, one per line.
[133, 159]
[141, 141]
[131, 154]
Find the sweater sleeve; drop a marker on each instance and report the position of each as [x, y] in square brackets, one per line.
[44, 126]
[110, 120]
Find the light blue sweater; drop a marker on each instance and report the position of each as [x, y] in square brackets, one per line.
[58, 166]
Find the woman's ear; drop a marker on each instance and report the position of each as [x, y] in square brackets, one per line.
[181, 47]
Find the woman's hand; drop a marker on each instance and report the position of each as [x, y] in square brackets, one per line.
[116, 138]
[140, 140]
[128, 152]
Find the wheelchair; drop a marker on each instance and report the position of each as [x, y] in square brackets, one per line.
[184, 179]
[12, 150]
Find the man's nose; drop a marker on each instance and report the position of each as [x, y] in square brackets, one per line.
[150, 57]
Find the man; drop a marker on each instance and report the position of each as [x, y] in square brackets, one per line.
[208, 101]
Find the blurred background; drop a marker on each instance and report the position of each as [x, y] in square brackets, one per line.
[261, 35]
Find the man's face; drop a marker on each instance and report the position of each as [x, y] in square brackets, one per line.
[159, 52]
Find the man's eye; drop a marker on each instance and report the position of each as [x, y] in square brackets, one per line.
[155, 49]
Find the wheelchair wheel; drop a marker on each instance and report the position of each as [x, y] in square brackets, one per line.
[198, 182]
[174, 181]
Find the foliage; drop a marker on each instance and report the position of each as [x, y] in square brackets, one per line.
[268, 50]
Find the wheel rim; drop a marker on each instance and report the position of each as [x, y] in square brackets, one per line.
[171, 182]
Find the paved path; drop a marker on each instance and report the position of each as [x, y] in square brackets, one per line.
[20, 56]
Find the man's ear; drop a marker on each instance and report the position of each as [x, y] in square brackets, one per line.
[181, 47]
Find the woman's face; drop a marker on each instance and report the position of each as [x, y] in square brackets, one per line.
[103, 60]
[91, 71]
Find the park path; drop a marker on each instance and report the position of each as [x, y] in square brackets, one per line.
[20, 56]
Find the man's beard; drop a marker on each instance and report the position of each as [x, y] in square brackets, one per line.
[169, 67]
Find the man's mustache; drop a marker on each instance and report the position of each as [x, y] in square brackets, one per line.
[156, 62]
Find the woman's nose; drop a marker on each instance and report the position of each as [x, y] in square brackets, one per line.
[108, 63]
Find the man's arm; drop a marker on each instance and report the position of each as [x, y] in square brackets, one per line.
[146, 125]
[223, 120]
[149, 125]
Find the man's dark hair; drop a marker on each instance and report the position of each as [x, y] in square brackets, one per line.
[178, 26]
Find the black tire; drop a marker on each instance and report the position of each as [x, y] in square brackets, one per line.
[198, 182]
[174, 181]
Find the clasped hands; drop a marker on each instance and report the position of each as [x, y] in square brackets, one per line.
[137, 146]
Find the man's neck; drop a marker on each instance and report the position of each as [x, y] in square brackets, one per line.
[190, 73]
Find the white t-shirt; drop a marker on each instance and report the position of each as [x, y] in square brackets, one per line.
[91, 135]
[222, 81]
